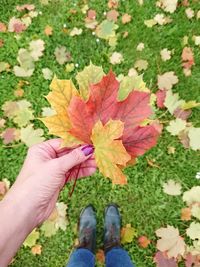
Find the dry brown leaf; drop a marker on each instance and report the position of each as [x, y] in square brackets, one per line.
[48, 30]
[186, 214]
[171, 242]
[36, 250]
[100, 256]
[126, 18]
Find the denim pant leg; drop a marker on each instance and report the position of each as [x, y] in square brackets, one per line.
[81, 258]
[118, 257]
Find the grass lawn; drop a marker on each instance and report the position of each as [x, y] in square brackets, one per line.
[142, 202]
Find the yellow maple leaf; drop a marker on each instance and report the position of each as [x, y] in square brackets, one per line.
[61, 94]
[108, 151]
[59, 98]
[127, 234]
[59, 125]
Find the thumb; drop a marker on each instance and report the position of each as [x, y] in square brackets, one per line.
[75, 157]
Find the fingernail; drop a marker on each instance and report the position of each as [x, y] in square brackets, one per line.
[87, 150]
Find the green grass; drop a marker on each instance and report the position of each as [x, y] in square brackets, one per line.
[142, 201]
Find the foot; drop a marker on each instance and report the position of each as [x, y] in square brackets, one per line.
[112, 227]
[87, 229]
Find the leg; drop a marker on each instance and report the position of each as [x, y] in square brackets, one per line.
[118, 257]
[81, 258]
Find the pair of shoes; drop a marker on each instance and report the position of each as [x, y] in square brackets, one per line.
[87, 228]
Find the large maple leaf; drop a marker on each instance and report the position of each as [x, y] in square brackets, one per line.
[138, 140]
[81, 120]
[59, 98]
[110, 152]
[103, 97]
[111, 126]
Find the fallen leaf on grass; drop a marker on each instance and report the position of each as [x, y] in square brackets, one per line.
[189, 13]
[172, 101]
[47, 73]
[2, 123]
[195, 210]
[36, 250]
[141, 64]
[168, 5]
[106, 29]
[172, 188]
[116, 58]
[162, 260]
[62, 55]
[100, 256]
[194, 136]
[176, 126]
[126, 18]
[57, 220]
[186, 214]
[165, 54]
[187, 60]
[28, 7]
[160, 98]
[112, 15]
[143, 241]
[29, 136]
[152, 163]
[192, 196]
[113, 3]
[196, 39]
[10, 135]
[171, 150]
[32, 238]
[75, 31]
[36, 48]
[3, 27]
[16, 25]
[140, 47]
[127, 234]
[167, 80]
[193, 231]
[4, 66]
[171, 242]
[48, 30]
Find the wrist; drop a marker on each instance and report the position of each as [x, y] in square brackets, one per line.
[17, 202]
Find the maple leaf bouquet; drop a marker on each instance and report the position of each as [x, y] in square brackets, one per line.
[95, 115]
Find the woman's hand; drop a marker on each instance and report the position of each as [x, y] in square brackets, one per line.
[33, 196]
[43, 175]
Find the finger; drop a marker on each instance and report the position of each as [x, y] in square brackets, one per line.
[56, 145]
[75, 157]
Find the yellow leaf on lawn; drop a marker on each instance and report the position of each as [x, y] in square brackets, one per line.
[108, 151]
[59, 125]
[61, 94]
[127, 234]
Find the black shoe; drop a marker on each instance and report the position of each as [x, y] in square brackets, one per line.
[112, 227]
[87, 229]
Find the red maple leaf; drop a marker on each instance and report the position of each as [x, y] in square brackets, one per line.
[103, 98]
[81, 120]
[139, 139]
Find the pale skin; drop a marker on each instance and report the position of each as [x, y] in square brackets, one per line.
[33, 196]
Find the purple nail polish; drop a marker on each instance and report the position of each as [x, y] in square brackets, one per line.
[87, 150]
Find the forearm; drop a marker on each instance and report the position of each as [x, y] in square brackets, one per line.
[16, 222]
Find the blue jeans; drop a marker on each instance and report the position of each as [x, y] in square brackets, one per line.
[116, 257]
